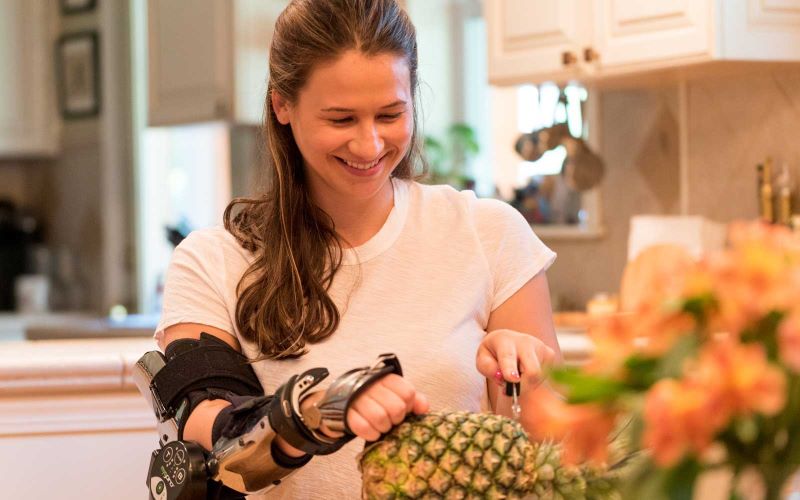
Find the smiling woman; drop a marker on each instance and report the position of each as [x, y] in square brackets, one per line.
[345, 257]
[353, 123]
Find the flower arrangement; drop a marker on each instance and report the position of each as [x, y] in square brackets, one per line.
[704, 371]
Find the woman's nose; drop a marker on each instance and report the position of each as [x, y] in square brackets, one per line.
[368, 144]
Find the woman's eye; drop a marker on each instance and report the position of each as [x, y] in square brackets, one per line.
[391, 117]
[340, 121]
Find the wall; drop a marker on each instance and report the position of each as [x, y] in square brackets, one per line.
[23, 182]
[83, 196]
[732, 124]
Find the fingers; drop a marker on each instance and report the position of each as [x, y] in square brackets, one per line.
[507, 359]
[506, 355]
[421, 404]
[361, 427]
[383, 405]
[487, 365]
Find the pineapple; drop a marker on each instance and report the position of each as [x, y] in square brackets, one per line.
[471, 456]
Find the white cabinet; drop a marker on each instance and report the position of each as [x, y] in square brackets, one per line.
[636, 32]
[73, 426]
[207, 59]
[536, 39]
[593, 39]
[29, 121]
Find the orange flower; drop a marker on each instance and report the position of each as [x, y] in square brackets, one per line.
[583, 429]
[614, 341]
[680, 418]
[657, 330]
[650, 332]
[758, 274]
[741, 375]
[789, 340]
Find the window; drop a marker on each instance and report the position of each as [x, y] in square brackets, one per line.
[499, 116]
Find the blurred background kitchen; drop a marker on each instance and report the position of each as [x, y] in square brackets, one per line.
[125, 124]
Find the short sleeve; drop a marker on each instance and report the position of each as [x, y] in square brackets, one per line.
[195, 285]
[513, 251]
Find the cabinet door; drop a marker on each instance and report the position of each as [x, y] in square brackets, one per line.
[254, 22]
[534, 41]
[761, 30]
[29, 123]
[190, 72]
[652, 32]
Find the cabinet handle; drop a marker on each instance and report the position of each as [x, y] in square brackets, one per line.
[568, 58]
[590, 55]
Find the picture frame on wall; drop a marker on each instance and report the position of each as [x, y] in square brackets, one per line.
[78, 74]
[69, 7]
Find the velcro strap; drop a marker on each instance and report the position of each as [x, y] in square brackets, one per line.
[209, 365]
[289, 425]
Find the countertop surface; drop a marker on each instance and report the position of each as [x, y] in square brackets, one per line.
[74, 325]
[35, 367]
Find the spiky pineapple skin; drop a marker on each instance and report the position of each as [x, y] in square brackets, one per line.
[463, 455]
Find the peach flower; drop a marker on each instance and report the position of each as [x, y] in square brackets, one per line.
[583, 429]
[742, 375]
[789, 341]
[680, 417]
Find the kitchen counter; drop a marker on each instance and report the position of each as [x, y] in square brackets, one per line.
[71, 407]
[70, 366]
[73, 325]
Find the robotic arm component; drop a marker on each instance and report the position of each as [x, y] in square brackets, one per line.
[244, 458]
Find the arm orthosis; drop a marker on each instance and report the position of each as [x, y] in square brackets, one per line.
[245, 458]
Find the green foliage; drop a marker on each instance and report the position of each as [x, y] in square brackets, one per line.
[448, 157]
[585, 388]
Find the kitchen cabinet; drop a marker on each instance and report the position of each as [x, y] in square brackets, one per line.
[207, 60]
[535, 40]
[73, 426]
[29, 122]
[596, 39]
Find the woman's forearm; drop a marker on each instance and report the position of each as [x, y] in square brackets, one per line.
[201, 421]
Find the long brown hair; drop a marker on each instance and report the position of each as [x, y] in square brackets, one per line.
[283, 300]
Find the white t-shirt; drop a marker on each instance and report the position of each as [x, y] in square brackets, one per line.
[425, 287]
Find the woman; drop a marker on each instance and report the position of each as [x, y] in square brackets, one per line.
[346, 257]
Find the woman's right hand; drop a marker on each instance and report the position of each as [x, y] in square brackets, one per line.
[382, 405]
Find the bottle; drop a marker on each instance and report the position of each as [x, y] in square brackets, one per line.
[766, 196]
[784, 185]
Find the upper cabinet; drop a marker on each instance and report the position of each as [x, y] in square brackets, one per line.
[593, 39]
[535, 40]
[635, 32]
[29, 121]
[207, 59]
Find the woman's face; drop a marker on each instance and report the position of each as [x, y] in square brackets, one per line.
[352, 122]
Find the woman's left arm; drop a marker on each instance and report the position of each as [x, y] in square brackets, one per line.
[520, 338]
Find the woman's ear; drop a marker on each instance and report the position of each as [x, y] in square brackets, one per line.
[281, 107]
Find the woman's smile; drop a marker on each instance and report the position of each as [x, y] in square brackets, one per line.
[353, 123]
[363, 169]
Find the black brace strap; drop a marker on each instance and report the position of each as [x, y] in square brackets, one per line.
[288, 423]
[208, 365]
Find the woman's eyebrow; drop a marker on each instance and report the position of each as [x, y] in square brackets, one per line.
[348, 110]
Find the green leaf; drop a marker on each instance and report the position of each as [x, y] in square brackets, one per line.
[679, 480]
[641, 372]
[644, 481]
[765, 331]
[746, 429]
[584, 388]
[434, 153]
[463, 137]
[699, 306]
[671, 364]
